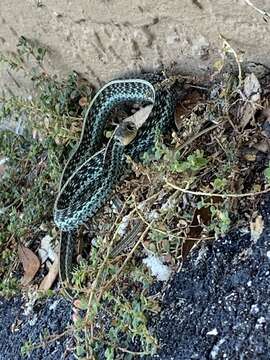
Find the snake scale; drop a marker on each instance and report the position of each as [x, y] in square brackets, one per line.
[91, 171]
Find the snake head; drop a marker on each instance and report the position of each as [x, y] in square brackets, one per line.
[126, 132]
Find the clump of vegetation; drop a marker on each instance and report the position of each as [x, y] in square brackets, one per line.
[34, 154]
[196, 184]
[37, 132]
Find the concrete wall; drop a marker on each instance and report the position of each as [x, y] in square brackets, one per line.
[105, 38]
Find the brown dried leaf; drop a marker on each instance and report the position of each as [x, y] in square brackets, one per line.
[30, 263]
[49, 279]
[248, 112]
[266, 122]
[81, 304]
[83, 101]
[266, 114]
[250, 155]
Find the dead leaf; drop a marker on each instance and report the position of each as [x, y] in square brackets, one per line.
[30, 263]
[249, 154]
[252, 88]
[266, 114]
[266, 124]
[140, 116]
[250, 157]
[252, 91]
[81, 304]
[49, 279]
[259, 70]
[263, 146]
[248, 112]
[256, 228]
[83, 102]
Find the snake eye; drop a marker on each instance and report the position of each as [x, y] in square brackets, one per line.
[126, 132]
[130, 126]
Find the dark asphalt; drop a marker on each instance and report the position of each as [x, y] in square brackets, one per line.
[217, 307]
[48, 317]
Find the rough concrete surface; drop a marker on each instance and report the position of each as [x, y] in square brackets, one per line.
[103, 39]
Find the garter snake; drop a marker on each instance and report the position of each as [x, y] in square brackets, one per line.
[91, 171]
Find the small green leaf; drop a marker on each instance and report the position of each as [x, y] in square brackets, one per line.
[109, 353]
[219, 184]
[267, 174]
[80, 350]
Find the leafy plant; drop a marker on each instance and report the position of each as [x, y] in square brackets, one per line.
[267, 174]
[220, 221]
[49, 125]
[27, 348]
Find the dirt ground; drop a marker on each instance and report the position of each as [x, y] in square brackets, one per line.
[103, 39]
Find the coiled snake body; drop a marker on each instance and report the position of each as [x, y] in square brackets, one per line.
[91, 171]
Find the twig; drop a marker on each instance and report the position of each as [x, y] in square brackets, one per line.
[92, 290]
[226, 42]
[262, 12]
[196, 136]
[51, 338]
[224, 196]
[140, 353]
[164, 232]
[127, 258]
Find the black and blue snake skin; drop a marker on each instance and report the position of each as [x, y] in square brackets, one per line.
[87, 182]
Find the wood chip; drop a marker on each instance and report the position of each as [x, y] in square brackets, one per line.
[49, 279]
[256, 228]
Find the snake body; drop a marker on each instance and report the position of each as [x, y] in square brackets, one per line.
[91, 172]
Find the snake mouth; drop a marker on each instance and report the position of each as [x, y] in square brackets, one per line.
[126, 132]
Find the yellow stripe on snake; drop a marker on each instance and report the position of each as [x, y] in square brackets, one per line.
[92, 172]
